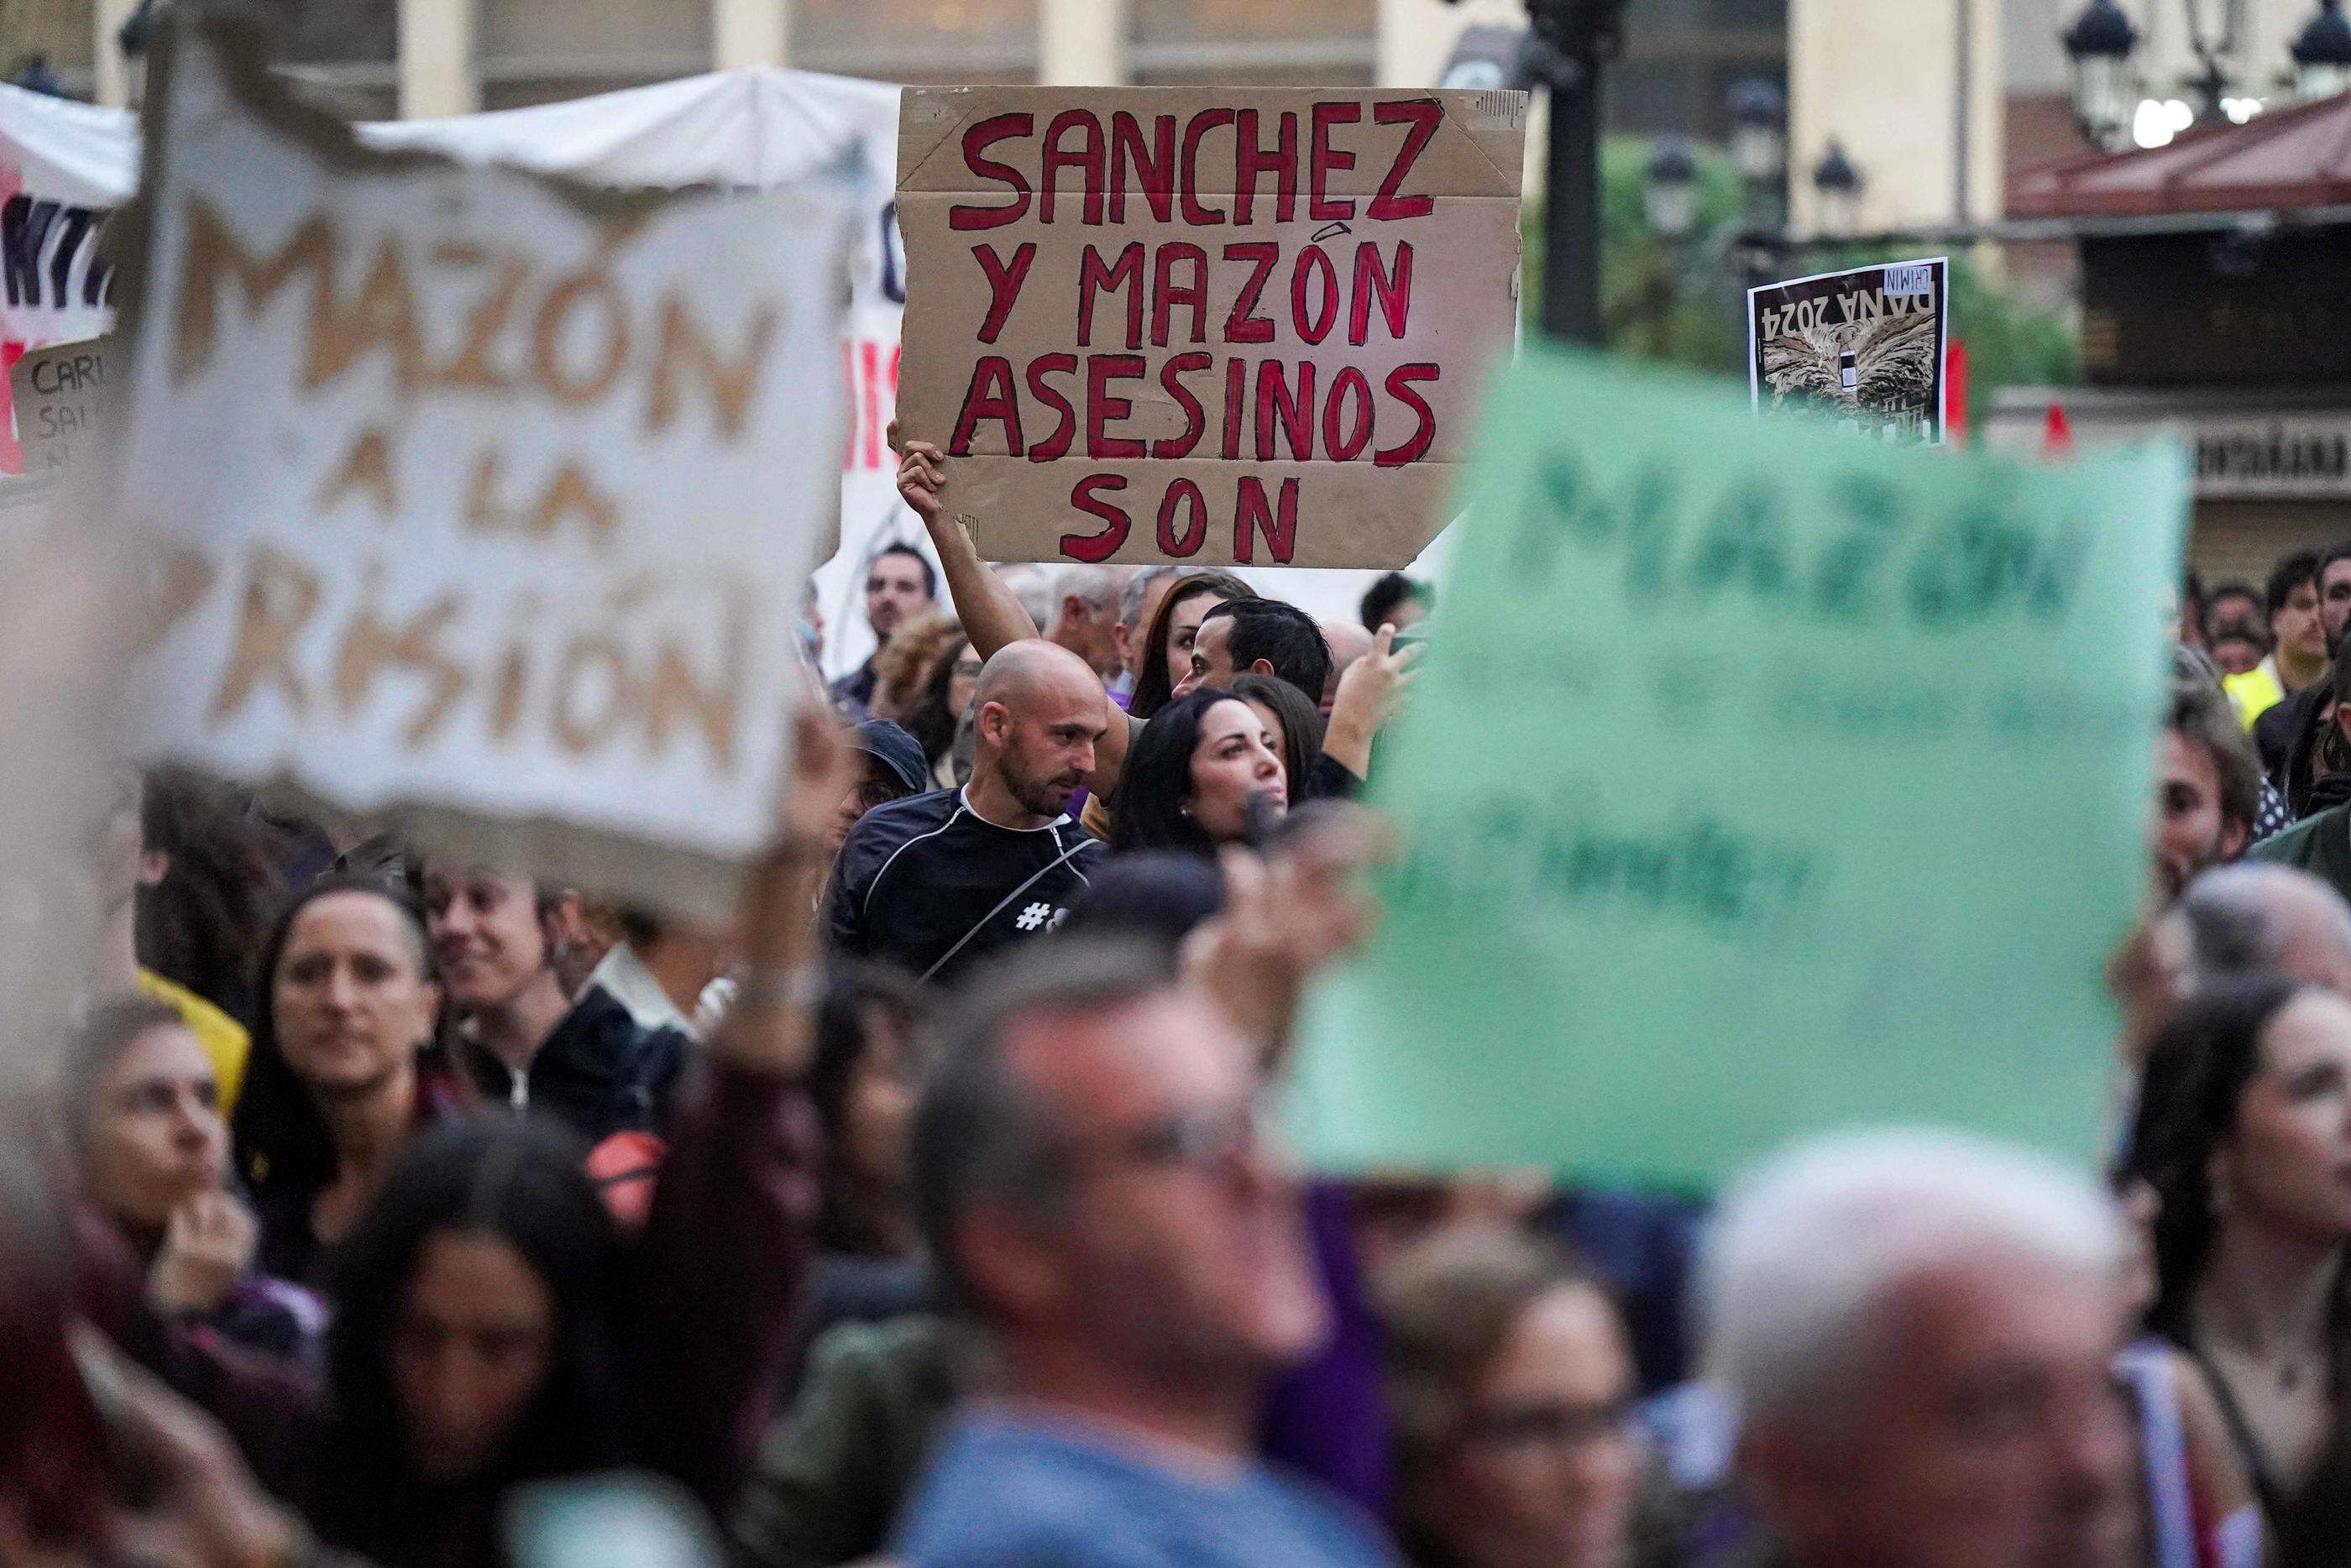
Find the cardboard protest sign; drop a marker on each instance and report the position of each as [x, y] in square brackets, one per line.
[1865, 346]
[487, 499]
[1205, 325]
[1761, 780]
[64, 405]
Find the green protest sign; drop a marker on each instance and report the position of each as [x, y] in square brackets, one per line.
[1763, 779]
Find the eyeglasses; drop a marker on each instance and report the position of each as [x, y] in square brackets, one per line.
[1547, 1425]
[1206, 1135]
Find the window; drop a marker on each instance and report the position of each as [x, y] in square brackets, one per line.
[539, 51]
[1252, 43]
[922, 42]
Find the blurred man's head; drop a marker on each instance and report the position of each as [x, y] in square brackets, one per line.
[2257, 918]
[2335, 592]
[2208, 788]
[1037, 711]
[2297, 631]
[1394, 600]
[900, 582]
[1095, 1184]
[2236, 627]
[1260, 636]
[1918, 1330]
[1085, 616]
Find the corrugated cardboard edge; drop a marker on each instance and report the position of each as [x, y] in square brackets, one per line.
[1495, 122]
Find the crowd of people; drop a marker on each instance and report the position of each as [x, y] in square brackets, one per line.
[930, 1214]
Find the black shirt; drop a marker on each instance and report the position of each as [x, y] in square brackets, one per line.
[601, 1072]
[927, 884]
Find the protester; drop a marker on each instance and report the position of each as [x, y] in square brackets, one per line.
[2258, 918]
[143, 1113]
[1511, 1387]
[939, 709]
[1167, 642]
[899, 582]
[2208, 789]
[2320, 842]
[1157, 895]
[1295, 726]
[1917, 1330]
[1085, 616]
[1348, 643]
[1138, 606]
[2235, 629]
[1095, 1190]
[520, 1039]
[2334, 593]
[1393, 600]
[861, 1084]
[938, 881]
[493, 1328]
[2313, 774]
[1207, 771]
[2244, 1132]
[1261, 636]
[892, 768]
[834, 1473]
[340, 1078]
[2297, 642]
[124, 865]
[209, 887]
[904, 665]
[100, 1463]
[660, 969]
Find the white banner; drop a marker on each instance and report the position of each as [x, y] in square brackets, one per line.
[493, 494]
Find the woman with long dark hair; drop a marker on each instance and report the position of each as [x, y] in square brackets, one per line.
[476, 1344]
[338, 1080]
[1203, 772]
[2244, 1133]
[1167, 647]
[1293, 722]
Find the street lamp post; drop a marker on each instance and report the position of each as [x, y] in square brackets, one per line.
[1758, 144]
[2099, 44]
[1839, 185]
[2322, 55]
[1571, 41]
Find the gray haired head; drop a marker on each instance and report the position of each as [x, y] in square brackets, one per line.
[1803, 1257]
[2257, 918]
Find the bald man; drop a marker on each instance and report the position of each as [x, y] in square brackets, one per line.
[935, 882]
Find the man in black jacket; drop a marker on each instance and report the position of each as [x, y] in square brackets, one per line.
[936, 881]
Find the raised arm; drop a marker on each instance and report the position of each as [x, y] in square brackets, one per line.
[1369, 694]
[718, 1271]
[991, 612]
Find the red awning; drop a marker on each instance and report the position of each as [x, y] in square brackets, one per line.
[2298, 157]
